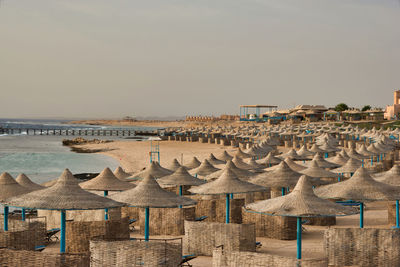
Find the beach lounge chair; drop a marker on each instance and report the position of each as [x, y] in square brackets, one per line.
[202, 218]
[131, 225]
[51, 234]
[186, 259]
[40, 248]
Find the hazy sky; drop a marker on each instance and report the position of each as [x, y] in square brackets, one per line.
[102, 58]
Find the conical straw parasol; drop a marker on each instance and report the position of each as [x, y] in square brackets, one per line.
[255, 166]
[10, 188]
[194, 163]
[360, 187]
[363, 151]
[303, 152]
[174, 165]
[315, 171]
[241, 173]
[213, 160]
[106, 181]
[293, 165]
[316, 149]
[154, 170]
[270, 160]
[23, 180]
[121, 174]
[241, 154]
[391, 176]
[66, 194]
[204, 169]
[350, 167]
[352, 153]
[148, 194]
[344, 154]
[292, 155]
[241, 164]
[301, 202]
[225, 156]
[338, 159]
[322, 163]
[228, 183]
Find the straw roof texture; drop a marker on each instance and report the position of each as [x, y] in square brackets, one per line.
[301, 202]
[121, 174]
[338, 159]
[227, 183]
[252, 163]
[148, 193]
[282, 176]
[316, 149]
[204, 169]
[10, 188]
[225, 156]
[391, 176]
[23, 180]
[241, 164]
[213, 160]
[292, 155]
[293, 165]
[106, 181]
[270, 159]
[154, 170]
[303, 152]
[360, 187]
[322, 163]
[174, 165]
[193, 163]
[352, 153]
[351, 165]
[241, 173]
[66, 194]
[315, 171]
[344, 154]
[241, 154]
[180, 177]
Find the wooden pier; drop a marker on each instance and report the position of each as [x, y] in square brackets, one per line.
[77, 132]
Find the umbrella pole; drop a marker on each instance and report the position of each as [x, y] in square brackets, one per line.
[397, 214]
[361, 215]
[105, 210]
[23, 214]
[227, 209]
[62, 234]
[180, 193]
[283, 191]
[146, 224]
[298, 238]
[5, 218]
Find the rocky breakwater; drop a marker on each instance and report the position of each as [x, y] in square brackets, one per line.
[77, 144]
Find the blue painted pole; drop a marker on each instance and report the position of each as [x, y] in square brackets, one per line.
[62, 234]
[372, 161]
[231, 196]
[5, 218]
[361, 215]
[362, 163]
[180, 193]
[146, 224]
[23, 214]
[105, 210]
[283, 191]
[298, 238]
[227, 209]
[326, 155]
[397, 214]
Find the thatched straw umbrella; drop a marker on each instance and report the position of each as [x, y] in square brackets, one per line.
[293, 165]
[316, 171]
[154, 170]
[213, 160]
[174, 165]
[241, 154]
[10, 188]
[391, 176]
[228, 183]
[304, 152]
[204, 169]
[180, 178]
[292, 155]
[121, 174]
[106, 181]
[225, 156]
[350, 167]
[281, 177]
[23, 180]
[352, 153]
[344, 154]
[148, 194]
[270, 160]
[66, 194]
[241, 164]
[241, 173]
[316, 149]
[323, 163]
[193, 163]
[300, 203]
[360, 187]
[338, 159]
[255, 166]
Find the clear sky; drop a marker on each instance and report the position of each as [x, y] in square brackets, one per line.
[102, 58]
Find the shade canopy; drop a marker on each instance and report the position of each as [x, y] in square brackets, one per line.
[338, 159]
[227, 183]
[149, 194]
[314, 148]
[282, 176]
[213, 160]
[180, 177]
[303, 152]
[154, 170]
[315, 171]
[351, 166]
[391, 176]
[121, 174]
[241, 164]
[270, 160]
[174, 165]
[241, 173]
[193, 163]
[292, 155]
[225, 156]
[322, 163]
[360, 187]
[301, 202]
[66, 194]
[204, 169]
[23, 180]
[10, 188]
[239, 153]
[106, 181]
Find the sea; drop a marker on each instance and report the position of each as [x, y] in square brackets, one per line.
[43, 157]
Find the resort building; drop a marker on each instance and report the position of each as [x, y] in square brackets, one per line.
[392, 112]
